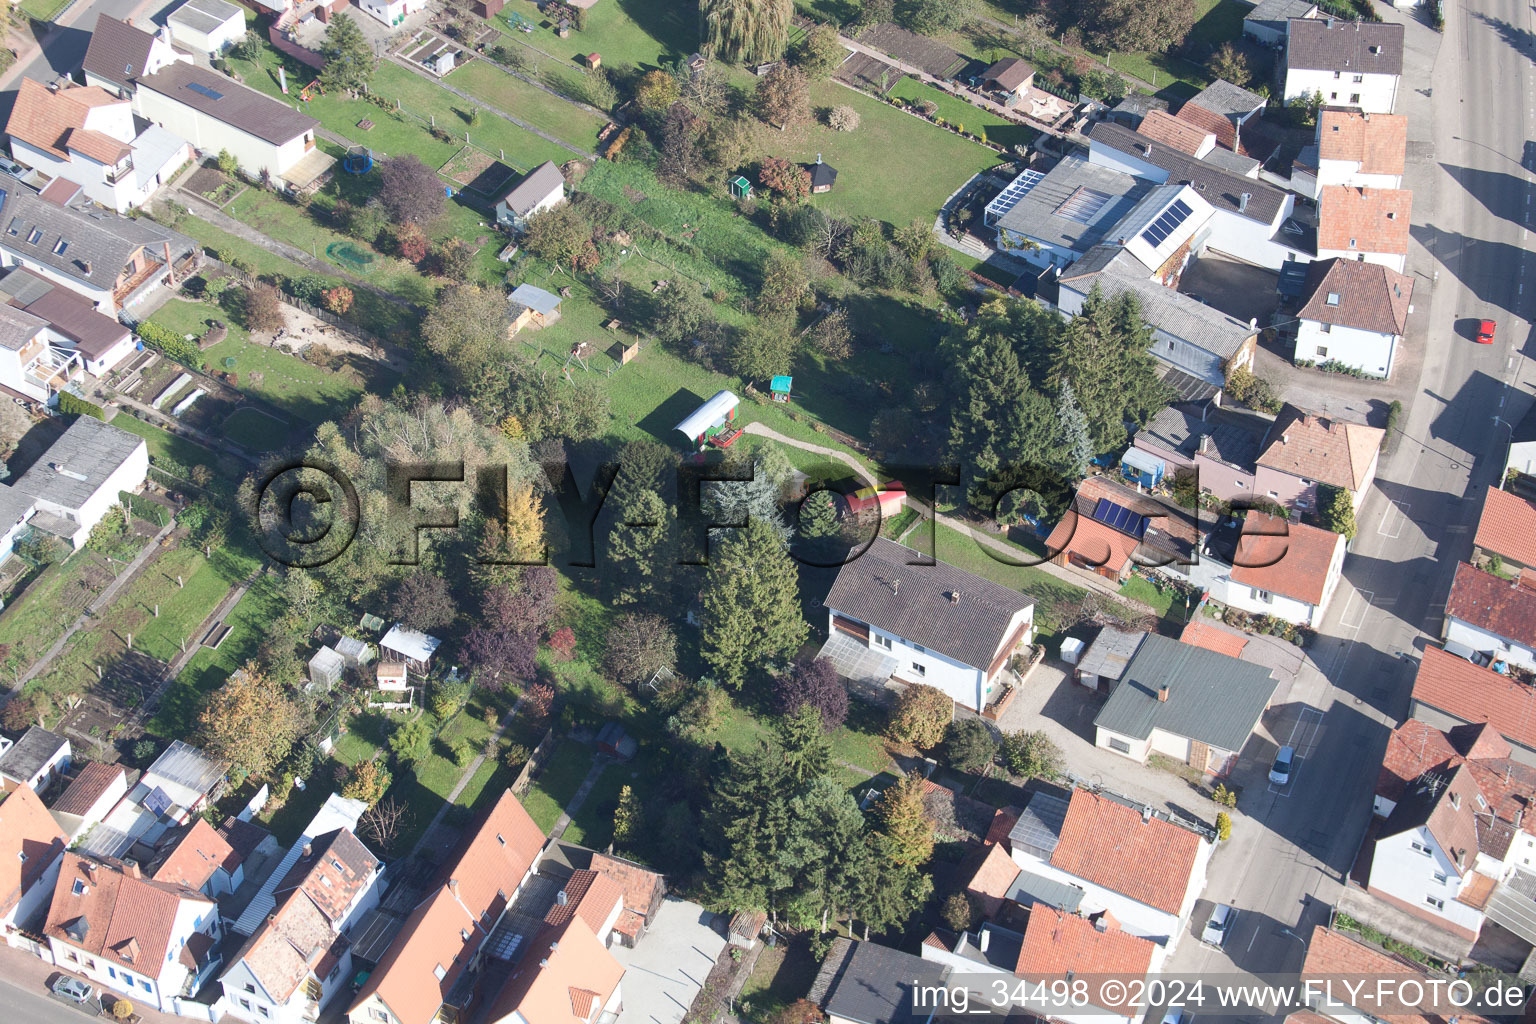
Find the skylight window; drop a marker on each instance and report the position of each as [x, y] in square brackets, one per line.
[1333, 298]
[58, 250]
[35, 235]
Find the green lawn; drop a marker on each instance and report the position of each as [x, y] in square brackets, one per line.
[738, 729]
[782, 974]
[628, 33]
[166, 446]
[951, 108]
[255, 430]
[557, 783]
[860, 741]
[1139, 589]
[592, 824]
[34, 619]
[528, 103]
[42, 10]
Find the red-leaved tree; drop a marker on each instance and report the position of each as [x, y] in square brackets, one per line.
[813, 682]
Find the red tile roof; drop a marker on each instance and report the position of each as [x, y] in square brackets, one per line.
[1503, 607]
[334, 868]
[1108, 844]
[1092, 541]
[199, 853]
[1412, 749]
[288, 946]
[1370, 220]
[588, 895]
[1377, 142]
[1214, 638]
[127, 920]
[479, 881]
[1291, 559]
[1181, 134]
[994, 874]
[1002, 824]
[29, 841]
[1332, 451]
[1057, 945]
[1210, 121]
[643, 888]
[1474, 694]
[90, 783]
[50, 120]
[1507, 527]
[565, 974]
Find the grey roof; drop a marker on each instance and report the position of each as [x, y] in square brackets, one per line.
[1234, 163]
[76, 465]
[1110, 652]
[872, 984]
[529, 192]
[222, 98]
[1176, 428]
[1029, 889]
[118, 51]
[17, 327]
[327, 661]
[535, 298]
[69, 314]
[1224, 98]
[189, 766]
[1075, 204]
[1003, 948]
[822, 174]
[1281, 10]
[1138, 105]
[857, 662]
[1161, 306]
[205, 15]
[1212, 698]
[1224, 435]
[29, 754]
[96, 245]
[914, 602]
[1513, 904]
[1185, 386]
[1038, 829]
[1221, 188]
[105, 841]
[1326, 44]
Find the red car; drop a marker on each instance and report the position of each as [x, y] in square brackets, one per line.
[1485, 330]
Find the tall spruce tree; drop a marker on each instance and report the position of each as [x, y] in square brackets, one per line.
[751, 603]
[807, 751]
[1074, 446]
[826, 834]
[349, 59]
[641, 552]
[747, 827]
[1105, 357]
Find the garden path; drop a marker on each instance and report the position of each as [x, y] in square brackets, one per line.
[580, 797]
[439, 836]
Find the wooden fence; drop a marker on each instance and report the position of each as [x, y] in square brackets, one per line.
[346, 327]
[535, 762]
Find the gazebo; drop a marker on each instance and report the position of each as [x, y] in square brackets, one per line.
[714, 422]
[741, 188]
[780, 387]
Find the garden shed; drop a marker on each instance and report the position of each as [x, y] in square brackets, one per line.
[532, 305]
[714, 422]
[325, 668]
[823, 175]
[741, 188]
[781, 388]
[1142, 468]
[410, 646]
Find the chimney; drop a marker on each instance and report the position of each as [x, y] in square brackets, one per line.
[453, 886]
[1101, 921]
[85, 265]
[954, 597]
[986, 937]
[90, 867]
[561, 898]
[1242, 202]
[131, 868]
[1146, 814]
[896, 586]
[1162, 695]
[1146, 150]
[818, 158]
[1461, 858]
[309, 850]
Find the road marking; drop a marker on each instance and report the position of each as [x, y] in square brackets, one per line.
[1400, 519]
[1367, 597]
[1310, 720]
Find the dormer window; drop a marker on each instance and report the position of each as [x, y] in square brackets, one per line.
[15, 228]
[58, 250]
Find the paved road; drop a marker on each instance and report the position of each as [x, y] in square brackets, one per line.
[1472, 204]
[23, 1006]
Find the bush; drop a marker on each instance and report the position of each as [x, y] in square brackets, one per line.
[921, 715]
[1224, 796]
[1394, 413]
[843, 119]
[170, 344]
[969, 746]
[144, 751]
[122, 1009]
[72, 404]
[463, 752]
[516, 756]
[958, 912]
[1032, 754]
[143, 508]
[1223, 826]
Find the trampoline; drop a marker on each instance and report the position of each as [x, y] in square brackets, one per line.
[359, 160]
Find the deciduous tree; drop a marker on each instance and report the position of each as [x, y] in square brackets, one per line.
[628, 820]
[411, 741]
[368, 782]
[901, 818]
[1231, 64]
[1336, 511]
[786, 180]
[921, 715]
[422, 600]
[382, 823]
[656, 92]
[818, 53]
[264, 309]
[1139, 25]
[411, 191]
[783, 97]
[639, 645]
[751, 603]
[1032, 754]
[562, 235]
[250, 722]
[969, 745]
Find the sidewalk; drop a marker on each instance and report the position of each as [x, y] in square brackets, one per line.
[27, 974]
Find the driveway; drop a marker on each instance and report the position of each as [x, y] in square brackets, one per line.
[668, 967]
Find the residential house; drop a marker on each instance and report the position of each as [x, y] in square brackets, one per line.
[152, 941]
[1187, 703]
[115, 262]
[1333, 955]
[1453, 826]
[1347, 63]
[542, 189]
[94, 791]
[892, 617]
[198, 857]
[30, 368]
[1125, 858]
[991, 949]
[643, 892]
[1369, 224]
[1267, 22]
[1449, 691]
[1506, 530]
[1251, 220]
[567, 976]
[15, 510]
[1355, 149]
[1135, 108]
[533, 305]
[249, 840]
[428, 973]
[300, 957]
[1061, 944]
[990, 873]
[410, 646]
[392, 12]
[87, 135]
[1051, 220]
[1110, 529]
[82, 476]
[1165, 129]
[206, 26]
[35, 761]
[1103, 664]
[31, 850]
[1493, 615]
[1218, 445]
[866, 983]
[1303, 450]
[1354, 314]
[1284, 569]
[71, 322]
[175, 789]
[1010, 78]
[215, 113]
[302, 866]
[1186, 334]
[119, 54]
[1223, 109]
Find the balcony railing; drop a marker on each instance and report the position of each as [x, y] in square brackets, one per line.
[118, 173]
[53, 369]
[154, 269]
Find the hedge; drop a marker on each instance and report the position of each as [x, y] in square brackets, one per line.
[170, 344]
[143, 508]
[70, 403]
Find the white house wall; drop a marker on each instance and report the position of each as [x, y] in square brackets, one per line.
[1480, 639]
[1390, 260]
[1399, 870]
[32, 908]
[1377, 93]
[1348, 173]
[1241, 595]
[1256, 242]
[1135, 749]
[100, 297]
[1136, 918]
[1367, 351]
[212, 136]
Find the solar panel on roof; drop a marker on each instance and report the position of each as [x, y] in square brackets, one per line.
[1118, 517]
[1166, 223]
[1083, 204]
[157, 802]
[200, 88]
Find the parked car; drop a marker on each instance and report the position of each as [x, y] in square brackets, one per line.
[10, 166]
[1280, 771]
[1466, 653]
[1485, 332]
[73, 989]
[1219, 925]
